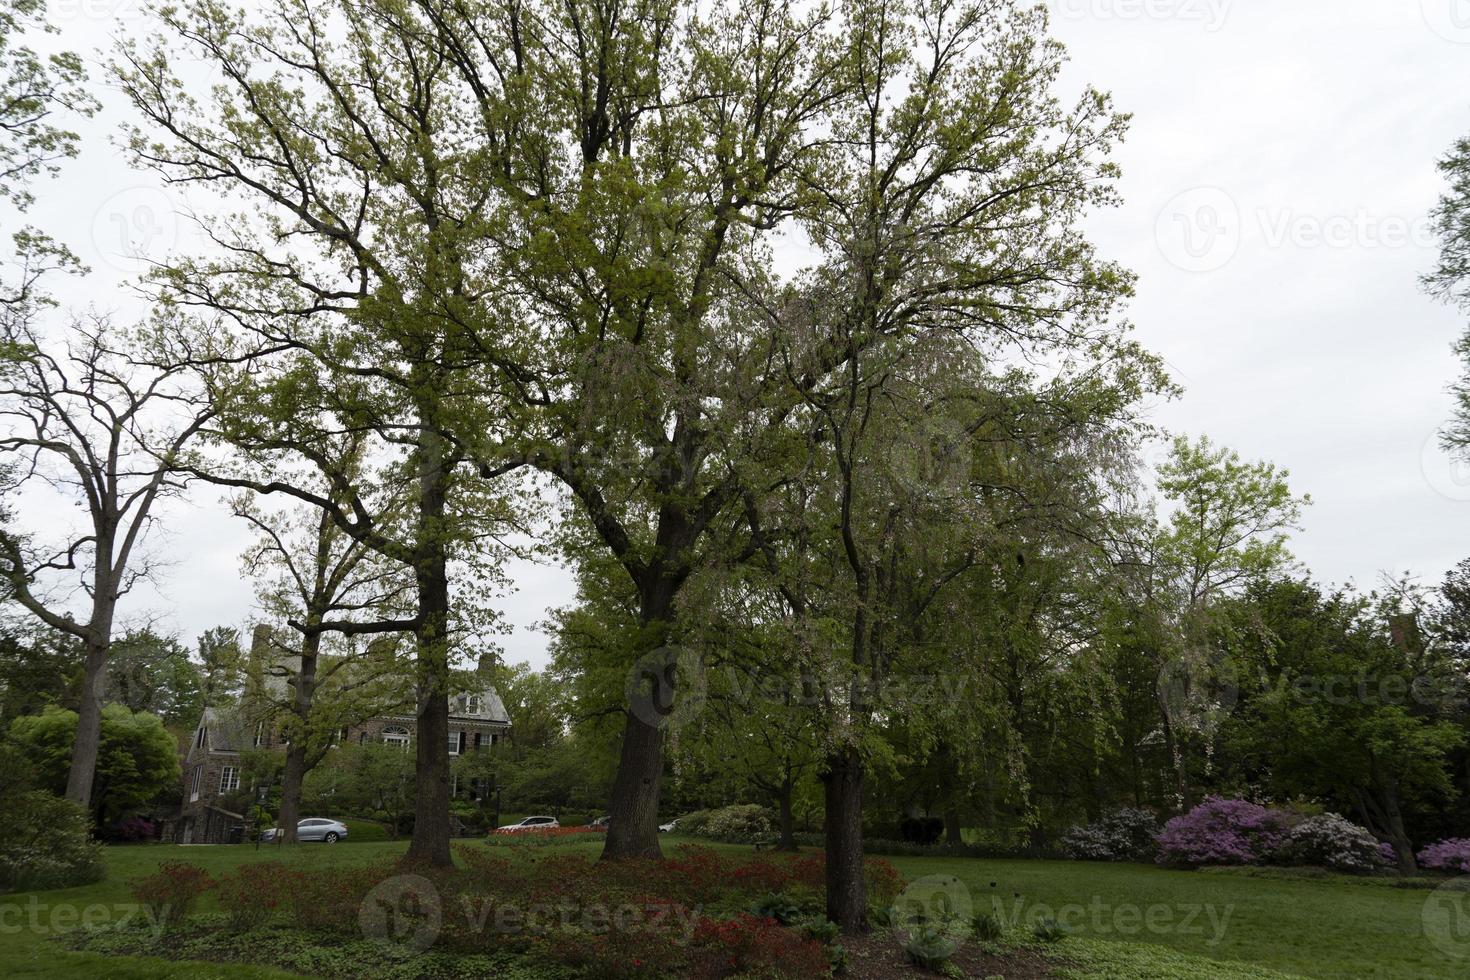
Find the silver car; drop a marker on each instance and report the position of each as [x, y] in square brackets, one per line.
[313, 828]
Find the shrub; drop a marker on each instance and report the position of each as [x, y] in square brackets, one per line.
[747, 944]
[1222, 832]
[1124, 834]
[1330, 841]
[1452, 854]
[1049, 930]
[45, 842]
[131, 830]
[987, 926]
[930, 947]
[921, 830]
[744, 823]
[255, 892]
[170, 894]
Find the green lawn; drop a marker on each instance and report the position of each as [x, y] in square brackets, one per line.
[1336, 928]
[1130, 921]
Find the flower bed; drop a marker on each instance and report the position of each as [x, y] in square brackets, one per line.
[696, 914]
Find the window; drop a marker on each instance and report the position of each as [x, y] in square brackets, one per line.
[200, 737]
[396, 735]
[259, 734]
[456, 743]
[229, 779]
[198, 781]
[472, 704]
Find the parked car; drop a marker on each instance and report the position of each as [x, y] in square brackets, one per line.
[530, 823]
[600, 822]
[665, 828]
[313, 828]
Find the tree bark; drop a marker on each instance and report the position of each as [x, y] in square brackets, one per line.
[89, 725]
[787, 821]
[430, 840]
[633, 828]
[295, 774]
[954, 834]
[842, 780]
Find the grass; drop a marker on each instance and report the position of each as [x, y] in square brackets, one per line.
[1334, 928]
[1202, 925]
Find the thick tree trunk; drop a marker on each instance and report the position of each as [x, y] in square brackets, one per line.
[295, 774]
[787, 821]
[954, 834]
[89, 725]
[291, 782]
[847, 902]
[633, 829]
[431, 784]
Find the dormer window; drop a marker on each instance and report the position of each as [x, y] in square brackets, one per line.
[472, 704]
[201, 737]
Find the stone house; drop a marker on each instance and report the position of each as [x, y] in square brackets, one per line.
[212, 765]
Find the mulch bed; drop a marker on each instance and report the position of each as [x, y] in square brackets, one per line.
[878, 956]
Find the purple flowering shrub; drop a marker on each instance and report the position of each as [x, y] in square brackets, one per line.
[132, 830]
[1447, 855]
[1331, 841]
[1222, 832]
[1124, 834]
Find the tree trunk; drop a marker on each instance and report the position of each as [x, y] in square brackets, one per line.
[842, 780]
[295, 774]
[430, 840]
[633, 829]
[954, 834]
[291, 790]
[89, 725]
[787, 821]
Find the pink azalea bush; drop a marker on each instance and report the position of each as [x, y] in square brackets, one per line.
[1452, 854]
[1220, 831]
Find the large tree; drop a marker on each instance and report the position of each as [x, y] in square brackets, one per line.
[103, 431]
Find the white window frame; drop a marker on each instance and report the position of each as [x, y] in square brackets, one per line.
[472, 704]
[397, 735]
[456, 742]
[198, 782]
[259, 733]
[229, 779]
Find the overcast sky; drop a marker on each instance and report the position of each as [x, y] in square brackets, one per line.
[1277, 181]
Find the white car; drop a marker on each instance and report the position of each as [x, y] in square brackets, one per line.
[665, 828]
[530, 823]
[313, 828]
